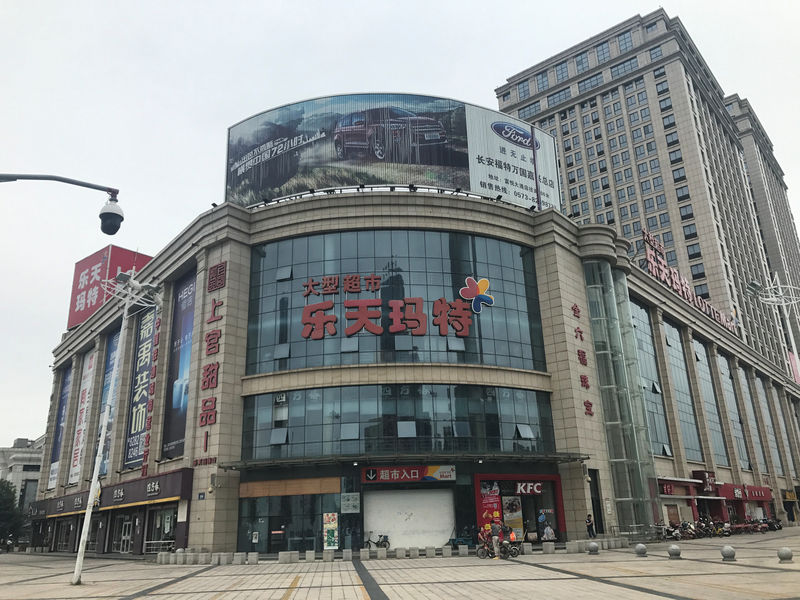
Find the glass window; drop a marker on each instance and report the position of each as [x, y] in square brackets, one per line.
[542, 82]
[625, 41]
[693, 251]
[590, 83]
[582, 62]
[682, 393]
[561, 72]
[686, 212]
[662, 87]
[526, 112]
[665, 104]
[672, 138]
[624, 68]
[678, 174]
[698, 271]
[603, 52]
[711, 406]
[659, 72]
[558, 97]
[523, 90]
[655, 53]
[668, 121]
[689, 231]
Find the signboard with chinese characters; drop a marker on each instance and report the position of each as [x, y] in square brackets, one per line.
[583, 361]
[351, 503]
[180, 352]
[392, 139]
[82, 418]
[87, 293]
[398, 474]
[61, 420]
[137, 439]
[658, 268]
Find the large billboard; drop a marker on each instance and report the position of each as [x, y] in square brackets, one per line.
[87, 293]
[180, 353]
[137, 434]
[391, 139]
[107, 397]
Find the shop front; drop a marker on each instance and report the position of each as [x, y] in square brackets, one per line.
[789, 498]
[689, 499]
[746, 502]
[143, 516]
[531, 505]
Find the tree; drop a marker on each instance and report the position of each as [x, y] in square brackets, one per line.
[11, 517]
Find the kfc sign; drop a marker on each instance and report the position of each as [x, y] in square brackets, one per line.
[87, 292]
[529, 488]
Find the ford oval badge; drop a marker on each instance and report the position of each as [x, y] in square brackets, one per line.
[519, 136]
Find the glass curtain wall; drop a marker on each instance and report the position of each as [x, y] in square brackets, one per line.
[752, 421]
[624, 410]
[732, 410]
[782, 424]
[682, 393]
[769, 427]
[711, 404]
[650, 381]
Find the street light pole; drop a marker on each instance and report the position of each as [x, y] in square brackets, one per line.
[125, 287]
[786, 297]
[111, 215]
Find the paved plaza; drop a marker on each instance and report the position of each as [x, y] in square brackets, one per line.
[620, 574]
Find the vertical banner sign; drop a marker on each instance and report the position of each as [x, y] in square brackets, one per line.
[512, 514]
[330, 531]
[108, 397]
[61, 419]
[179, 362]
[82, 420]
[137, 433]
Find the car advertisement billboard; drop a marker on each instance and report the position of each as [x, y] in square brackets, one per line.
[87, 292]
[390, 139]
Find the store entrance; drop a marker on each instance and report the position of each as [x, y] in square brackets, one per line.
[161, 529]
[123, 530]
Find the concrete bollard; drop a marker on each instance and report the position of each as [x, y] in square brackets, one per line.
[592, 548]
[785, 555]
[640, 550]
[347, 554]
[430, 552]
[191, 558]
[162, 558]
[413, 553]
[447, 551]
[215, 558]
[400, 552]
[311, 556]
[180, 558]
[295, 555]
[527, 548]
[572, 547]
[728, 554]
[252, 558]
[674, 552]
[173, 559]
[364, 553]
[204, 558]
[381, 553]
[582, 545]
[548, 547]
[327, 556]
[603, 544]
[463, 550]
[284, 558]
[227, 558]
[239, 558]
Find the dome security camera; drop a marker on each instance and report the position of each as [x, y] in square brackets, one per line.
[111, 217]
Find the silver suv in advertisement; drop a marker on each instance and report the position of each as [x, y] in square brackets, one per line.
[389, 133]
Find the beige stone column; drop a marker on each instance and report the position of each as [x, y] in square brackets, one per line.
[752, 383]
[742, 408]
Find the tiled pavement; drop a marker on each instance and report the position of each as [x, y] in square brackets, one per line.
[617, 574]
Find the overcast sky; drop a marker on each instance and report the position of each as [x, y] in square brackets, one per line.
[139, 96]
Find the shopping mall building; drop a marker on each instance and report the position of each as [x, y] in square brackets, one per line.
[403, 354]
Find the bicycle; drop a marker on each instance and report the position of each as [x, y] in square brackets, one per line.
[381, 542]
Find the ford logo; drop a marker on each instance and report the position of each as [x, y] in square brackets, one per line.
[519, 136]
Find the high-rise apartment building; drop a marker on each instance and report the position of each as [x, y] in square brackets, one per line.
[649, 142]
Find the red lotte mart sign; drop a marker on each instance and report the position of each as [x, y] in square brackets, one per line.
[404, 315]
[658, 269]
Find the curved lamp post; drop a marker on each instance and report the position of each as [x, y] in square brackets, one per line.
[111, 215]
[123, 287]
[783, 296]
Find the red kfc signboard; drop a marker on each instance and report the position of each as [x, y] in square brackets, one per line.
[87, 293]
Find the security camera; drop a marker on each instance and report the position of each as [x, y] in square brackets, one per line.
[587, 478]
[210, 489]
[111, 217]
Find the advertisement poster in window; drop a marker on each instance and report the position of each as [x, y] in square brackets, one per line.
[61, 420]
[490, 508]
[180, 353]
[82, 419]
[392, 139]
[330, 530]
[512, 514]
[137, 430]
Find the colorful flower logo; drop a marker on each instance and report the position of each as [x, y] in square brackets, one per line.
[476, 291]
